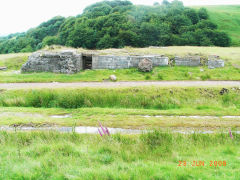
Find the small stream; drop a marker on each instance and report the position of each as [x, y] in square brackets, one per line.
[194, 117]
[94, 130]
[79, 129]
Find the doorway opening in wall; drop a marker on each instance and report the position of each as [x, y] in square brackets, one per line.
[87, 61]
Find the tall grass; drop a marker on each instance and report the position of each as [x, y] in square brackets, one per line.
[139, 97]
[155, 155]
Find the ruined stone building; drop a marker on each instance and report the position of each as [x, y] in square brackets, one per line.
[70, 62]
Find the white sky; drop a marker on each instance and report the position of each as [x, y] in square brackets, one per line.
[20, 15]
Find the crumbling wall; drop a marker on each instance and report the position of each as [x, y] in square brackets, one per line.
[70, 62]
[215, 62]
[123, 62]
[67, 62]
[187, 61]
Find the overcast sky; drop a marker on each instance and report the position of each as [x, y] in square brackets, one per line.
[20, 15]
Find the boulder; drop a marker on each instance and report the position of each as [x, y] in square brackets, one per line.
[3, 68]
[145, 65]
[223, 91]
[113, 78]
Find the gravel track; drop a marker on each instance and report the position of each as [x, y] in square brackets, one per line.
[122, 84]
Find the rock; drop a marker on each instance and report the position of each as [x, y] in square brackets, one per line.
[145, 65]
[3, 68]
[113, 78]
[201, 70]
[223, 91]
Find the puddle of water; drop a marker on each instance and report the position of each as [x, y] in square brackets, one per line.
[195, 117]
[79, 129]
[231, 117]
[94, 130]
[61, 116]
[19, 114]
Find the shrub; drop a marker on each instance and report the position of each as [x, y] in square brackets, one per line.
[205, 77]
[160, 77]
[148, 77]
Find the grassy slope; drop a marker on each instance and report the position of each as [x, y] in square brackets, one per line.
[49, 155]
[230, 72]
[227, 17]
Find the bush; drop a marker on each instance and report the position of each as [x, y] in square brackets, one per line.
[160, 77]
[205, 77]
[148, 77]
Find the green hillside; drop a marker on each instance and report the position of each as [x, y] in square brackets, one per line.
[120, 23]
[227, 17]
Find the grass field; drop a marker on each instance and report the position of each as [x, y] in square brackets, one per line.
[155, 155]
[231, 71]
[227, 17]
[158, 154]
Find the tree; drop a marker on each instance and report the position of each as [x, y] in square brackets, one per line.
[105, 42]
[50, 40]
[192, 15]
[165, 2]
[202, 13]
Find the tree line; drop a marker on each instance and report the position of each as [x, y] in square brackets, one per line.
[119, 23]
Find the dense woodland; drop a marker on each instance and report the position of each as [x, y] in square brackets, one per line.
[119, 23]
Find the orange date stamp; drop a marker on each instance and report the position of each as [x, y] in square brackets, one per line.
[202, 163]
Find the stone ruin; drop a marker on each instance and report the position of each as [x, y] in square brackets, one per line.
[188, 61]
[69, 62]
[215, 62]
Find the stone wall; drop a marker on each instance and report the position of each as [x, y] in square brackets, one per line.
[67, 62]
[215, 62]
[187, 61]
[70, 62]
[212, 64]
[123, 62]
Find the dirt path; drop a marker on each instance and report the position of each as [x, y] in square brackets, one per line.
[122, 84]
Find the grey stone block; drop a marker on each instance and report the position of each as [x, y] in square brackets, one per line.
[187, 61]
[212, 64]
[214, 61]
